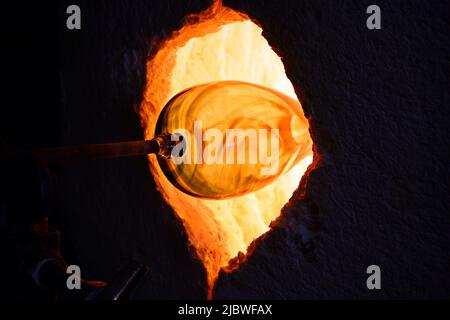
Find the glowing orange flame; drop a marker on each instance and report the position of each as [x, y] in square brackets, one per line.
[218, 44]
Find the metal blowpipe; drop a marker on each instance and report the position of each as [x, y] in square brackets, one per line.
[160, 145]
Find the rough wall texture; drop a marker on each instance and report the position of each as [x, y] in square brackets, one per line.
[377, 100]
[111, 209]
[378, 103]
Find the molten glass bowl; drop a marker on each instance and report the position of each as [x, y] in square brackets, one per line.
[236, 137]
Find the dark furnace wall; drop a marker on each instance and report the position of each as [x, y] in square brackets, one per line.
[378, 103]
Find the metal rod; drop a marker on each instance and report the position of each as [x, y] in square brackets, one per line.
[98, 151]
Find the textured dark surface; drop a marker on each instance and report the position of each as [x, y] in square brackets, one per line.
[112, 209]
[379, 105]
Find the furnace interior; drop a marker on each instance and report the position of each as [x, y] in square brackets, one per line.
[218, 44]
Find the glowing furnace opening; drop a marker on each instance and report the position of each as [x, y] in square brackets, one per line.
[219, 44]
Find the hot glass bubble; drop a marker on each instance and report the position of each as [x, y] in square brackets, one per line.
[236, 138]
